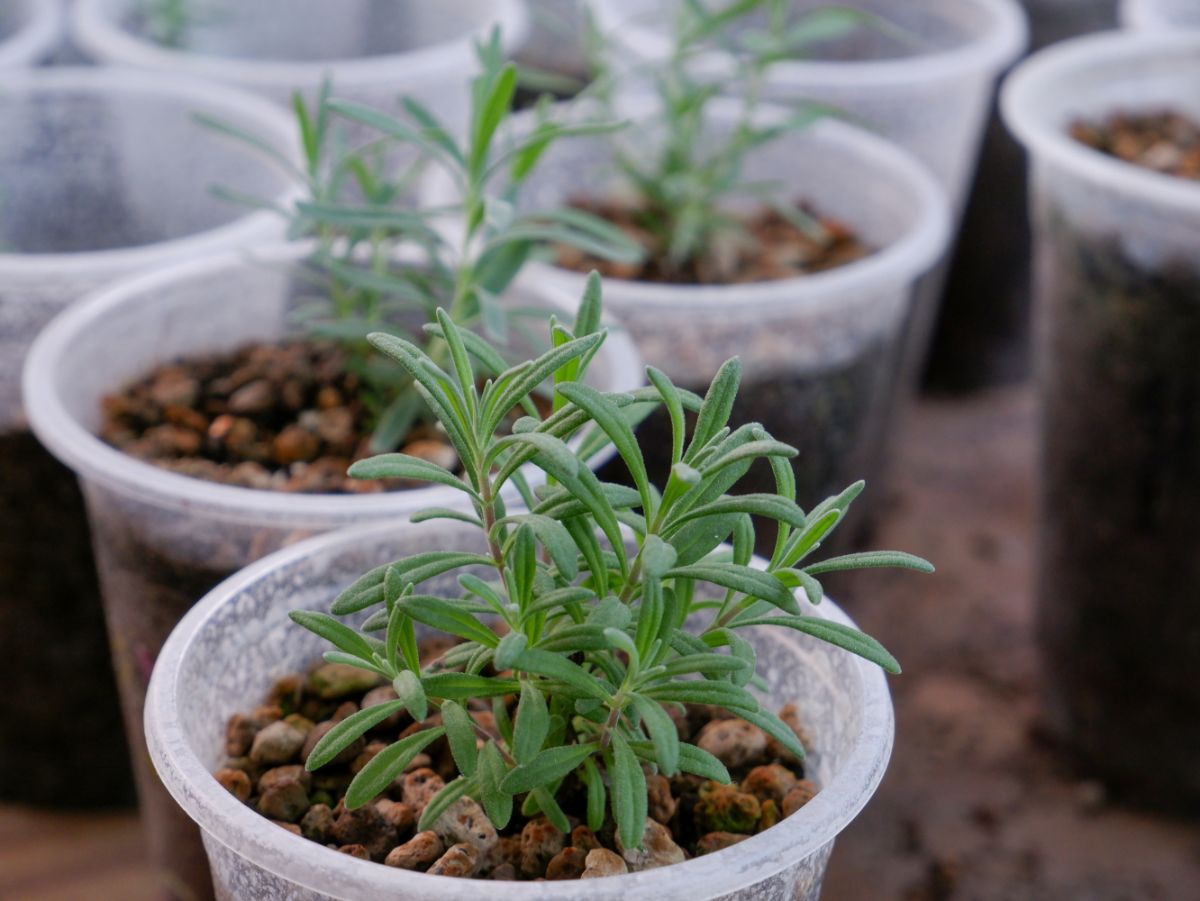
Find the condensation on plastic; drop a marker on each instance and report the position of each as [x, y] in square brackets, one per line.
[30, 31]
[933, 100]
[105, 174]
[1160, 15]
[163, 539]
[374, 50]
[1155, 217]
[227, 651]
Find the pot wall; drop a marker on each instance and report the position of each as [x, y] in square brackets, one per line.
[227, 650]
[1116, 289]
[30, 31]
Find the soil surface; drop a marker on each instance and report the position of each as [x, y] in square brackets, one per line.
[1166, 141]
[768, 247]
[287, 417]
[688, 816]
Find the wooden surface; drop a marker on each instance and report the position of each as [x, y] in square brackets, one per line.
[975, 804]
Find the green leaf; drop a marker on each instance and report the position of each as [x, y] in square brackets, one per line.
[488, 116]
[342, 735]
[403, 466]
[543, 800]
[442, 801]
[464, 686]
[657, 556]
[509, 649]
[460, 734]
[335, 633]
[770, 506]
[411, 694]
[596, 795]
[588, 316]
[749, 581]
[548, 766]
[497, 803]
[713, 665]
[699, 762]
[445, 617]
[844, 637]
[628, 782]
[870, 560]
[531, 725]
[704, 691]
[553, 666]
[718, 404]
[776, 728]
[385, 766]
[804, 542]
[674, 405]
[662, 731]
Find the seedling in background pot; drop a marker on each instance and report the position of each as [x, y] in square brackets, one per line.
[381, 260]
[597, 606]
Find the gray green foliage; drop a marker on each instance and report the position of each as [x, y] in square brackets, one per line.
[383, 261]
[578, 604]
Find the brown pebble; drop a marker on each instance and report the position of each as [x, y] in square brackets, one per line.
[236, 782]
[256, 397]
[382, 695]
[333, 681]
[279, 742]
[283, 793]
[460, 860]
[174, 388]
[582, 837]
[365, 826]
[420, 786]
[540, 841]
[662, 803]
[436, 452]
[344, 710]
[658, 849]
[769, 782]
[174, 440]
[355, 851]
[317, 823]
[290, 827]
[736, 743]
[503, 872]
[724, 808]
[400, 815]
[717, 841]
[803, 792]
[603, 862]
[287, 693]
[569, 863]
[239, 735]
[790, 714]
[417, 853]
[295, 444]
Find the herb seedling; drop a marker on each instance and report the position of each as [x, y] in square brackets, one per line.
[686, 178]
[364, 221]
[585, 607]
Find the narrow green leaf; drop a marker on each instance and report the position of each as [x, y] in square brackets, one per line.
[531, 725]
[442, 801]
[662, 731]
[334, 632]
[870, 560]
[548, 766]
[385, 766]
[411, 694]
[628, 784]
[460, 734]
[342, 735]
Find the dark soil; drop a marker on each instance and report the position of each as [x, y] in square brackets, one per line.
[769, 248]
[1119, 577]
[286, 417]
[59, 716]
[688, 816]
[1166, 141]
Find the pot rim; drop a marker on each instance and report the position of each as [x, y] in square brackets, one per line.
[904, 259]
[990, 51]
[93, 460]
[93, 29]
[1043, 133]
[320, 869]
[1141, 14]
[40, 29]
[269, 120]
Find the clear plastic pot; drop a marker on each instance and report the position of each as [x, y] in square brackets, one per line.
[162, 539]
[1160, 15]
[30, 31]
[556, 37]
[226, 651]
[817, 351]
[102, 174]
[1118, 277]
[374, 50]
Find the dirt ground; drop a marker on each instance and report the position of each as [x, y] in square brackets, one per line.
[975, 804]
[974, 807]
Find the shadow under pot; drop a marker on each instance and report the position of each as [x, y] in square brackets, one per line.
[105, 174]
[1118, 316]
[817, 348]
[162, 539]
[229, 650]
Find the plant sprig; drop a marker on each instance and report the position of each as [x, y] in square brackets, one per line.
[582, 604]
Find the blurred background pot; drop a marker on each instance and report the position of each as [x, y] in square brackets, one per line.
[375, 51]
[104, 174]
[1160, 15]
[1118, 306]
[228, 649]
[982, 336]
[817, 351]
[163, 539]
[30, 31]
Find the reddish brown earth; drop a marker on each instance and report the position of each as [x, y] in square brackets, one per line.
[974, 806]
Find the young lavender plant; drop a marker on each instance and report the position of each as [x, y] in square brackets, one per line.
[599, 606]
[362, 216]
[685, 181]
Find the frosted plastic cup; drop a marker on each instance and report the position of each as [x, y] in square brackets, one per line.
[1160, 15]
[102, 174]
[227, 651]
[163, 539]
[818, 352]
[375, 51]
[30, 31]
[1117, 294]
